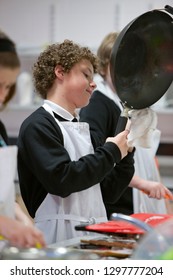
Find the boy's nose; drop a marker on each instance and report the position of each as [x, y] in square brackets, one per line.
[93, 85]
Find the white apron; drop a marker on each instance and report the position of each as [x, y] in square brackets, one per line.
[145, 167]
[8, 169]
[57, 217]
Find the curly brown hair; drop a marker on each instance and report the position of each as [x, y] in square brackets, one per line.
[66, 54]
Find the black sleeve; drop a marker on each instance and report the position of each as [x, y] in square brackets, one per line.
[117, 181]
[3, 132]
[40, 148]
[102, 114]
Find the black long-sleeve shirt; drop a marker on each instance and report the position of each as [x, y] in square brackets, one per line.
[3, 133]
[44, 165]
[102, 114]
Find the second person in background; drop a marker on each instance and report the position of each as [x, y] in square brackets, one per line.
[102, 114]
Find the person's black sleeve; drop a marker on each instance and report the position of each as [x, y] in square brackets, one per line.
[40, 148]
[3, 133]
[118, 179]
[102, 114]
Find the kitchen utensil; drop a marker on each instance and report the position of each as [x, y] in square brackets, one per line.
[112, 228]
[141, 63]
[135, 224]
[166, 196]
[132, 220]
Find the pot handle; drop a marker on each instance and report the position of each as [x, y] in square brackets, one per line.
[136, 222]
[169, 9]
[122, 121]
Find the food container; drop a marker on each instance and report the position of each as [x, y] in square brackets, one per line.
[157, 244]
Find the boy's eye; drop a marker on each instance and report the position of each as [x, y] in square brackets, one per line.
[86, 75]
[7, 87]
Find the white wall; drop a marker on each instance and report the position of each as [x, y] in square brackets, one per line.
[89, 21]
[27, 22]
[35, 23]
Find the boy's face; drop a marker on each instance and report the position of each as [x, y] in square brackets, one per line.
[8, 78]
[80, 84]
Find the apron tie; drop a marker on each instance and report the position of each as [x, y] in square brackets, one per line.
[69, 217]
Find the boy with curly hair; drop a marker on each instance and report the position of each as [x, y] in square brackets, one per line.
[59, 171]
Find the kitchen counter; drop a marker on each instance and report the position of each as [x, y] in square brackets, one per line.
[14, 115]
[165, 119]
[100, 245]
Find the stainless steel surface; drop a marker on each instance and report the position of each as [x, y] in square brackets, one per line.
[56, 253]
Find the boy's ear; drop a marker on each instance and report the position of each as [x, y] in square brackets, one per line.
[59, 72]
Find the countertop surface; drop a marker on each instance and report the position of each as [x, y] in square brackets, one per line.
[14, 115]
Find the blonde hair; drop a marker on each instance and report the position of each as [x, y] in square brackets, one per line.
[104, 52]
